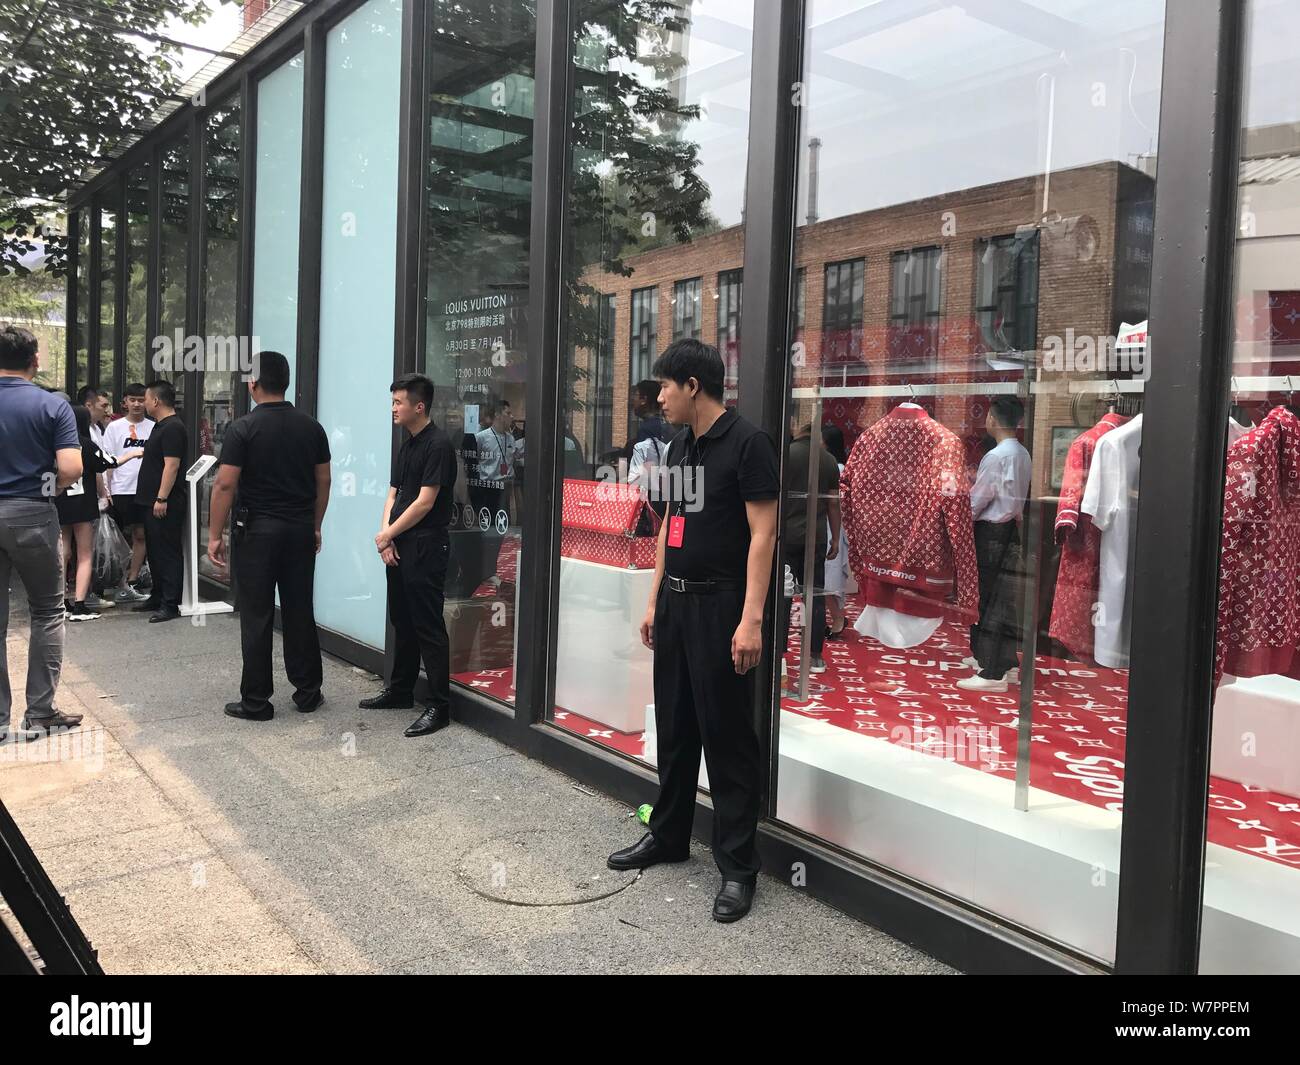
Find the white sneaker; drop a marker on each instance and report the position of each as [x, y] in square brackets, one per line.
[971, 662]
[1013, 676]
[818, 666]
[980, 684]
[81, 612]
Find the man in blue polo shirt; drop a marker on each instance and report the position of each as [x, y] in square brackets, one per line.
[40, 456]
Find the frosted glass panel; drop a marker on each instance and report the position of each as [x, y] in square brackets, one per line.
[358, 278]
[275, 216]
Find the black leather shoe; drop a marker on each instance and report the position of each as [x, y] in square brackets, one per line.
[388, 699]
[428, 722]
[238, 710]
[310, 705]
[643, 855]
[42, 725]
[164, 613]
[148, 606]
[733, 901]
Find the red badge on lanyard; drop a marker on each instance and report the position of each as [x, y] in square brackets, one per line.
[676, 530]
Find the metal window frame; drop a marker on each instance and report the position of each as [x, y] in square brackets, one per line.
[692, 289]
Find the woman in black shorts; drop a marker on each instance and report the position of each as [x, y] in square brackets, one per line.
[78, 508]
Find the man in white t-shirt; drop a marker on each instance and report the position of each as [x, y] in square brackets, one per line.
[1110, 496]
[121, 436]
[997, 501]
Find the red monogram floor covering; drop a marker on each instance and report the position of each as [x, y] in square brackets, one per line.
[1077, 734]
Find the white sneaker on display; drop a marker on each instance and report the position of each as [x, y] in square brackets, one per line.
[1013, 676]
[980, 684]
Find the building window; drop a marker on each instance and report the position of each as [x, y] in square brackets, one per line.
[914, 304]
[686, 309]
[1006, 292]
[842, 311]
[729, 286]
[645, 317]
[603, 386]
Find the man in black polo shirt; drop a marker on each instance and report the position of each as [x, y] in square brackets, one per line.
[275, 467]
[705, 622]
[414, 544]
[160, 493]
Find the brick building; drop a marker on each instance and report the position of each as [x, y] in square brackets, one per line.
[951, 290]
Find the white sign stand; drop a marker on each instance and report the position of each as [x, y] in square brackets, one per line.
[191, 605]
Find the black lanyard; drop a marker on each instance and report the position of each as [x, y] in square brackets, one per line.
[697, 449]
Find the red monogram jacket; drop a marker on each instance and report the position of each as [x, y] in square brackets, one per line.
[1258, 625]
[1080, 540]
[906, 500]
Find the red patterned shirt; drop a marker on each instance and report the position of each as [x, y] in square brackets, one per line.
[1258, 628]
[906, 500]
[1080, 540]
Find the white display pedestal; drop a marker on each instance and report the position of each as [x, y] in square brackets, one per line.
[1256, 734]
[191, 604]
[602, 670]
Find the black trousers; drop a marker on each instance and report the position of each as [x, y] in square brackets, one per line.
[701, 702]
[493, 500]
[164, 540]
[995, 639]
[415, 598]
[273, 553]
[792, 556]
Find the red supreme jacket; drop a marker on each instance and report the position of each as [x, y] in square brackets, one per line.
[1258, 628]
[1080, 540]
[906, 501]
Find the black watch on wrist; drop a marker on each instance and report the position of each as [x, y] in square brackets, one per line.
[159, 499]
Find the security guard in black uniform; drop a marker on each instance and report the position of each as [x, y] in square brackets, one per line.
[415, 544]
[705, 621]
[278, 460]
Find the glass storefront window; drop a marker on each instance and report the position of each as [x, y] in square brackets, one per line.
[223, 345]
[276, 213]
[173, 264]
[136, 278]
[965, 397]
[478, 209]
[108, 279]
[1251, 920]
[81, 341]
[659, 146]
[358, 269]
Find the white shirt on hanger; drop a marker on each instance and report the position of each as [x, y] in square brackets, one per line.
[1002, 483]
[1110, 496]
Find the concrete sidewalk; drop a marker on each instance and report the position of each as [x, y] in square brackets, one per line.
[186, 841]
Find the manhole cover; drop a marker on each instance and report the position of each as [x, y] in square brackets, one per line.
[540, 869]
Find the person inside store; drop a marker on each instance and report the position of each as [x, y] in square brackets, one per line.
[650, 423]
[495, 446]
[997, 500]
[41, 456]
[837, 562]
[794, 531]
[160, 492]
[79, 507]
[122, 437]
[704, 623]
[275, 472]
[414, 544]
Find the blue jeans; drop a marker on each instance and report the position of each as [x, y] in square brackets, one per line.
[29, 544]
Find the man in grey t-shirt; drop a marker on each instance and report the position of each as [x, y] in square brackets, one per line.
[40, 456]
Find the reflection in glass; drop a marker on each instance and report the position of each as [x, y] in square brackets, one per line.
[1251, 919]
[108, 278]
[967, 323]
[173, 265]
[478, 209]
[655, 194]
[82, 338]
[137, 277]
[224, 348]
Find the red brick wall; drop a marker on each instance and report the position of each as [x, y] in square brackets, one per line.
[254, 10]
[1071, 293]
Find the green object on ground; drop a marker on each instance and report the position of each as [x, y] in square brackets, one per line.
[643, 813]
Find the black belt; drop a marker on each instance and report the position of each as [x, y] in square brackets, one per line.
[698, 587]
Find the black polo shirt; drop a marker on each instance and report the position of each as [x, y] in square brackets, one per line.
[733, 463]
[277, 449]
[425, 460]
[167, 441]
